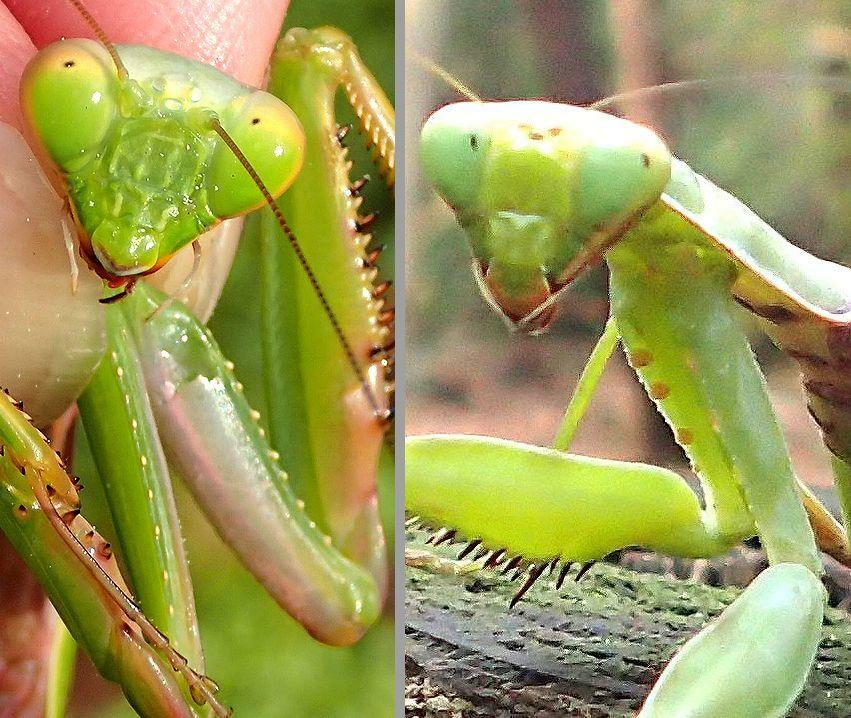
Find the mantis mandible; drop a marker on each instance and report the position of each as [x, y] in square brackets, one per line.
[545, 191]
[155, 154]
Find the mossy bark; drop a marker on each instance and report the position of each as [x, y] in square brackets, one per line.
[593, 648]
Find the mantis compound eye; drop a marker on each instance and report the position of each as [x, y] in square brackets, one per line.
[454, 149]
[68, 96]
[271, 137]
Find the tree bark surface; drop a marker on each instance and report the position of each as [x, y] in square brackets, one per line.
[593, 648]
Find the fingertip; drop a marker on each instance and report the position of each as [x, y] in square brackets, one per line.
[236, 36]
[16, 49]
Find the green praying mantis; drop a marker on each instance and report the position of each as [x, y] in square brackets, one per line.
[150, 151]
[544, 192]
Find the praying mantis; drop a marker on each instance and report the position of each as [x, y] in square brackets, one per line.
[544, 191]
[155, 154]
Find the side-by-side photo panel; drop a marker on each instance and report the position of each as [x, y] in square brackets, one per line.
[197, 260]
[628, 319]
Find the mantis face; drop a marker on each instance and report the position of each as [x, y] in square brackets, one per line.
[145, 172]
[542, 190]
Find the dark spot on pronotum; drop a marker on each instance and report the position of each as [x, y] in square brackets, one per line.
[535, 136]
[640, 358]
[659, 390]
[21, 511]
[555, 131]
[685, 437]
[474, 142]
[645, 159]
[255, 121]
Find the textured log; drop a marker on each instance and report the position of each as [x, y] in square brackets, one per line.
[593, 648]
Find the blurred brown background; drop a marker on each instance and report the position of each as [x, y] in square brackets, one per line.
[778, 142]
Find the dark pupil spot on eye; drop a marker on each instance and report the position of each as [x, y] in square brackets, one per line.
[255, 121]
[474, 142]
[70, 63]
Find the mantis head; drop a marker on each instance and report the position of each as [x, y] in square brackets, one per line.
[542, 190]
[144, 170]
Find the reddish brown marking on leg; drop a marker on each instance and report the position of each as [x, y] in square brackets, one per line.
[774, 313]
[807, 358]
[831, 393]
[839, 343]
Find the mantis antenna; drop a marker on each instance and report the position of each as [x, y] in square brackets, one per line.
[320, 294]
[450, 79]
[805, 78]
[101, 36]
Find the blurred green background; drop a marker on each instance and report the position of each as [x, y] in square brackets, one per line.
[265, 663]
[766, 133]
